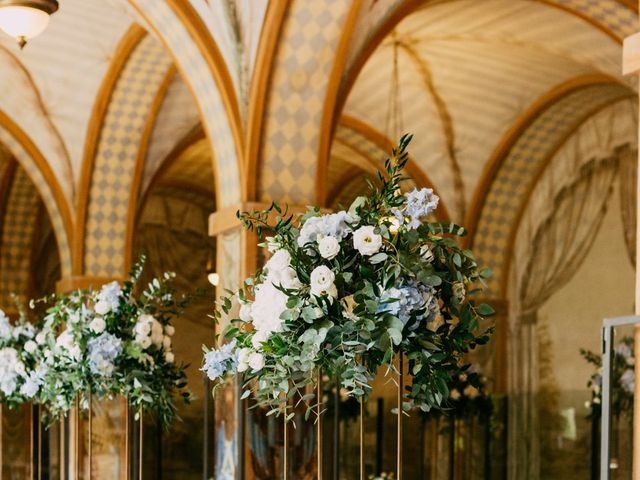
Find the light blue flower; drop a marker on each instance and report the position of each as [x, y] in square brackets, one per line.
[103, 351]
[337, 225]
[220, 361]
[110, 294]
[420, 203]
[407, 300]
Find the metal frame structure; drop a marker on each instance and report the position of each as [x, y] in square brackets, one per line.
[607, 347]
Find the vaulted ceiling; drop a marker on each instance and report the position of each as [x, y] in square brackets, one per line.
[258, 100]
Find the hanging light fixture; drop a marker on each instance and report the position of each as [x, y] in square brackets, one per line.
[25, 19]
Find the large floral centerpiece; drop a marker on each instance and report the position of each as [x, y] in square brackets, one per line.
[622, 378]
[114, 341]
[348, 292]
[22, 367]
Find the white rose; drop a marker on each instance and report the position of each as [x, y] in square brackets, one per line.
[143, 326]
[322, 279]
[256, 361]
[285, 278]
[245, 312]
[98, 325]
[259, 337]
[329, 247]
[169, 357]
[278, 261]
[41, 338]
[143, 341]
[243, 359]
[366, 241]
[30, 346]
[102, 307]
[19, 368]
[169, 330]
[166, 342]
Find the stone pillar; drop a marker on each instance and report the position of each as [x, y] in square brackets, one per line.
[631, 65]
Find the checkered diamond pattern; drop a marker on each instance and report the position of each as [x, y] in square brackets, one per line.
[519, 168]
[116, 157]
[197, 74]
[46, 193]
[611, 14]
[302, 68]
[17, 236]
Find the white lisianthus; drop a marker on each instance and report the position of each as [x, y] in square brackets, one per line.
[245, 312]
[322, 279]
[366, 241]
[259, 337]
[66, 344]
[243, 359]
[98, 325]
[256, 361]
[41, 338]
[329, 247]
[169, 330]
[19, 368]
[143, 325]
[169, 357]
[30, 346]
[102, 307]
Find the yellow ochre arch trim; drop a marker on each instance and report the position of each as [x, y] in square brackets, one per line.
[500, 153]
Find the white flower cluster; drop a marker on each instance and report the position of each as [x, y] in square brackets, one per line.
[149, 333]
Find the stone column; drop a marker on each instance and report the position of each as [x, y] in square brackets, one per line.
[631, 65]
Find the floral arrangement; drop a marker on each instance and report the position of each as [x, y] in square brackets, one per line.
[622, 378]
[383, 476]
[112, 342]
[344, 294]
[22, 369]
[469, 396]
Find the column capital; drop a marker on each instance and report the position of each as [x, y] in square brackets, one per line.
[76, 282]
[225, 219]
[631, 55]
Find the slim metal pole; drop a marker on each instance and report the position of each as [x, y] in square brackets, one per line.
[90, 446]
[400, 414]
[285, 463]
[605, 430]
[141, 442]
[319, 437]
[362, 438]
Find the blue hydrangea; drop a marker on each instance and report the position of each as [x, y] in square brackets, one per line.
[110, 294]
[103, 351]
[337, 225]
[407, 300]
[220, 361]
[420, 203]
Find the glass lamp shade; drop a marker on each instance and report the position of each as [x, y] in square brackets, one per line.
[26, 21]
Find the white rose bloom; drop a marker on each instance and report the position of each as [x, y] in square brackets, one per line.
[98, 325]
[143, 341]
[157, 333]
[322, 279]
[268, 305]
[169, 330]
[166, 342]
[169, 357]
[30, 346]
[41, 338]
[329, 247]
[259, 337]
[256, 361]
[245, 312]
[143, 326]
[366, 241]
[66, 343]
[102, 307]
[19, 368]
[243, 359]
[279, 260]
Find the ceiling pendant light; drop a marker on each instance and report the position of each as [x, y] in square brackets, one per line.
[25, 19]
